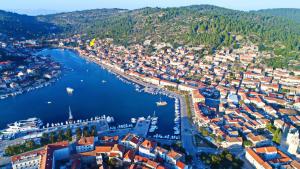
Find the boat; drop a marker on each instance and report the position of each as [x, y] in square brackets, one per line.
[69, 90]
[161, 103]
[49, 102]
[23, 126]
[103, 81]
[133, 120]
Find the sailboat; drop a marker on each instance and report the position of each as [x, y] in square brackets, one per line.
[70, 119]
[161, 103]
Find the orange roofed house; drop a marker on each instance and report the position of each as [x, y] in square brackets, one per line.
[85, 144]
[267, 157]
[44, 159]
[147, 148]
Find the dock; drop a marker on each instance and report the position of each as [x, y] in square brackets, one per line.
[141, 128]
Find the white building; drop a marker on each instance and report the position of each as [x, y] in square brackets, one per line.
[293, 142]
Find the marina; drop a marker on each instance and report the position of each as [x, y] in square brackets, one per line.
[109, 97]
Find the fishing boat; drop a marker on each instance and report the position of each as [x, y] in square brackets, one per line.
[161, 103]
[69, 90]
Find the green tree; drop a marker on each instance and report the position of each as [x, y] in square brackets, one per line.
[68, 134]
[60, 135]
[93, 131]
[78, 133]
[52, 137]
[45, 139]
[30, 144]
[86, 132]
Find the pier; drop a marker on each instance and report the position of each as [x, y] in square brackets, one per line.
[141, 127]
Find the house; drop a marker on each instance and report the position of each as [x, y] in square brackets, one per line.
[267, 157]
[173, 157]
[85, 144]
[147, 149]
[27, 160]
[129, 156]
[197, 97]
[54, 152]
[161, 152]
[231, 142]
[131, 141]
[181, 165]
[117, 150]
[278, 123]
[258, 140]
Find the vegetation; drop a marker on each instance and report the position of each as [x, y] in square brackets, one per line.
[223, 160]
[15, 25]
[21, 148]
[212, 26]
[287, 13]
[277, 136]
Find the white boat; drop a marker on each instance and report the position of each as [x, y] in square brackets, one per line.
[69, 90]
[152, 129]
[103, 81]
[49, 102]
[29, 125]
[161, 103]
[109, 119]
[133, 120]
[154, 122]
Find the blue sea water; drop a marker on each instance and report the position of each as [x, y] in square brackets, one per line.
[90, 98]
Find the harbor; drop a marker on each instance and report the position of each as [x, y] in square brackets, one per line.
[111, 89]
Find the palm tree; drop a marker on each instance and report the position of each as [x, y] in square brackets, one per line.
[93, 131]
[68, 134]
[52, 137]
[78, 133]
[60, 135]
[86, 131]
[45, 138]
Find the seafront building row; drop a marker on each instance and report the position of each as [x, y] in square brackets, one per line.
[131, 152]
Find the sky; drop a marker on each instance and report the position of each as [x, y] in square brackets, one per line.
[51, 6]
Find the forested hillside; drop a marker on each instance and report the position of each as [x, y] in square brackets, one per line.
[288, 13]
[15, 25]
[194, 25]
[212, 26]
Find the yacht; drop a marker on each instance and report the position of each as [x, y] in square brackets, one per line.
[133, 120]
[69, 90]
[161, 103]
[29, 125]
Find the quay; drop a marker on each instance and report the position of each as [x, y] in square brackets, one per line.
[141, 128]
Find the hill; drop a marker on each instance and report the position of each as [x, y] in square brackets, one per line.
[288, 13]
[191, 25]
[16, 25]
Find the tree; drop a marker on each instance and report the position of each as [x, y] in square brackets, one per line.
[45, 139]
[68, 134]
[60, 135]
[93, 131]
[277, 136]
[52, 137]
[86, 131]
[247, 143]
[78, 133]
[29, 144]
